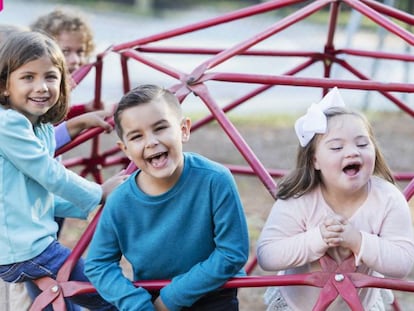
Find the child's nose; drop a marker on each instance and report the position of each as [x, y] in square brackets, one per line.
[42, 86]
[73, 58]
[151, 141]
[352, 151]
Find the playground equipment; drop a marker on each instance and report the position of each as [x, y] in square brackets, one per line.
[204, 77]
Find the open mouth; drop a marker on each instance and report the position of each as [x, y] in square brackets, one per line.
[158, 159]
[352, 169]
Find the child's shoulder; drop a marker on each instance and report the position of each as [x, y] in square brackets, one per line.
[10, 117]
[384, 188]
[199, 161]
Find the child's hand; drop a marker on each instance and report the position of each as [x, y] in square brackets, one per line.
[112, 183]
[331, 230]
[338, 231]
[88, 120]
[159, 305]
[351, 238]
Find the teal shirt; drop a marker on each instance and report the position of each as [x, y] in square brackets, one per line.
[194, 234]
[35, 187]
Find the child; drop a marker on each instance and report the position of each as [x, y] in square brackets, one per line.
[75, 38]
[34, 186]
[13, 296]
[178, 217]
[340, 201]
[67, 130]
[72, 33]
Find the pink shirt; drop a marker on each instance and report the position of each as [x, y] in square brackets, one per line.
[291, 241]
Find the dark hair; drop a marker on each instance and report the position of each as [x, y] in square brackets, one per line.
[304, 178]
[25, 46]
[144, 94]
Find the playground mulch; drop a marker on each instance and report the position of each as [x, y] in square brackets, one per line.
[275, 146]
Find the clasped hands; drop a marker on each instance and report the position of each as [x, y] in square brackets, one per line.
[337, 231]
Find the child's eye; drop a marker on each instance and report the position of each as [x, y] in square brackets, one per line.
[52, 77]
[160, 128]
[28, 77]
[81, 53]
[335, 148]
[135, 137]
[362, 145]
[66, 52]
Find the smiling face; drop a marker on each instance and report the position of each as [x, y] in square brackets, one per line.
[34, 88]
[152, 138]
[345, 155]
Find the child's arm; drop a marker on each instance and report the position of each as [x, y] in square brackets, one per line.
[64, 208]
[288, 238]
[88, 120]
[34, 158]
[391, 250]
[102, 265]
[67, 130]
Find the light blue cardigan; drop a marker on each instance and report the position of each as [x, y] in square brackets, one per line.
[35, 187]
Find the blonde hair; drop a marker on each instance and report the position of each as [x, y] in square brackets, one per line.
[25, 46]
[57, 21]
[304, 178]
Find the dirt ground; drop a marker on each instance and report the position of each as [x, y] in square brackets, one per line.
[275, 146]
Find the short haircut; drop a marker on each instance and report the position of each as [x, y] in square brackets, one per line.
[144, 94]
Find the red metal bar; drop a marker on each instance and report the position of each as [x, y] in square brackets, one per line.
[236, 138]
[279, 26]
[409, 190]
[381, 20]
[154, 64]
[392, 98]
[225, 18]
[377, 54]
[309, 82]
[390, 11]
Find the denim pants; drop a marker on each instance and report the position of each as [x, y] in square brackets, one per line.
[48, 263]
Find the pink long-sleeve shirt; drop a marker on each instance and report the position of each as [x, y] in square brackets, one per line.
[291, 241]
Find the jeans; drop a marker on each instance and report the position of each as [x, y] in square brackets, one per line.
[48, 264]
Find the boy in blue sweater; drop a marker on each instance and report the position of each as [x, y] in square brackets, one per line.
[178, 217]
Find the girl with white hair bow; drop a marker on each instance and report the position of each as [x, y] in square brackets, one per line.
[340, 201]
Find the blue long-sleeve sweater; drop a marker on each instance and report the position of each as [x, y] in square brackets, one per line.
[34, 187]
[194, 234]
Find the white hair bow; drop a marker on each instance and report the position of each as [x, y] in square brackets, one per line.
[315, 121]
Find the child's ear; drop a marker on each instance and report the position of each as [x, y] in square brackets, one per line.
[185, 129]
[315, 164]
[124, 148]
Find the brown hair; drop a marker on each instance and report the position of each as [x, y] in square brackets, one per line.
[23, 47]
[57, 21]
[144, 94]
[305, 177]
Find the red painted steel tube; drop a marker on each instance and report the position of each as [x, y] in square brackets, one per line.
[225, 18]
[381, 20]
